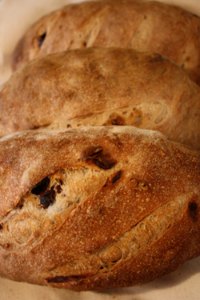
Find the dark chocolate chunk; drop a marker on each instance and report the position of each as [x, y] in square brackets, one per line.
[117, 176]
[193, 210]
[104, 163]
[97, 156]
[60, 181]
[41, 39]
[117, 121]
[94, 152]
[48, 198]
[58, 189]
[41, 187]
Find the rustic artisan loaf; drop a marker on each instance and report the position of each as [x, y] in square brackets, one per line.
[150, 26]
[97, 207]
[103, 87]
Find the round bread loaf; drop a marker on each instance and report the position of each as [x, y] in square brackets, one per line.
[103, 87]
[145, 26]
[96, 208]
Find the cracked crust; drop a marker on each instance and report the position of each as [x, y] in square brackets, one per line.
[103, 87]
[151, 26]
[96, 208]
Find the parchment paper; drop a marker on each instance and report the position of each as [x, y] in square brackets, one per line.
[184, 284]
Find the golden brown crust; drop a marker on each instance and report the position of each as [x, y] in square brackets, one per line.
[150, 26]
[113, 206]
[103, 87]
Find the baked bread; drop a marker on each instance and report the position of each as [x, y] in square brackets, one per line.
[96, 208]
[152, 26]
[103, 87]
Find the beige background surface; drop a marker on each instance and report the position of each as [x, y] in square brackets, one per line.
[184, 284]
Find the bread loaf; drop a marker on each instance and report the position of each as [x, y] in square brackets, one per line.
[103, 87]
[145, 26]
[95, 208]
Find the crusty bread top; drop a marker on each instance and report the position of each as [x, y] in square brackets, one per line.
[99, 86]
[80, 208]
[27, 157]
[150, 26]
